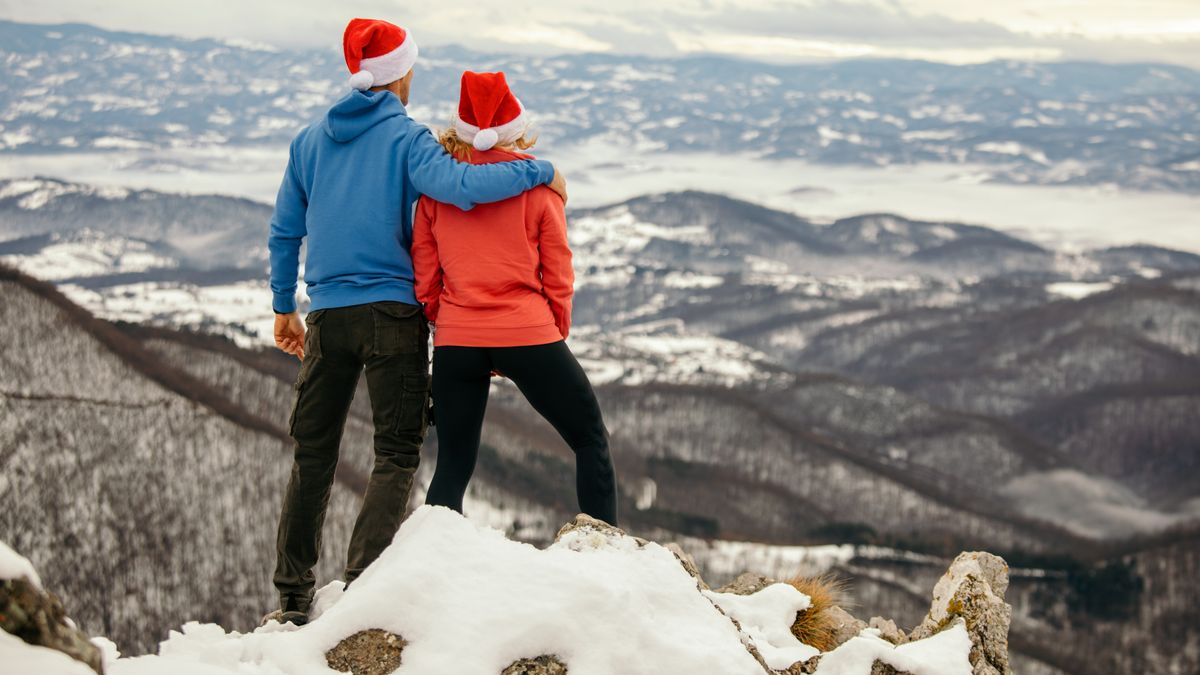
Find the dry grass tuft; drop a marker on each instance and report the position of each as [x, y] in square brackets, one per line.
[814, 626]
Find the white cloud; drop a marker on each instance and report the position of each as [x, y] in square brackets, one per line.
[779, 48]
[945, 30]
[557, 37]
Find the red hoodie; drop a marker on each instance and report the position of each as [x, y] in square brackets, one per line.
[498, 275]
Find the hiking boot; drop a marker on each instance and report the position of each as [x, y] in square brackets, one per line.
[296, 617]
[294, 610]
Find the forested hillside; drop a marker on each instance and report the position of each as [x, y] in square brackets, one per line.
[145, 500]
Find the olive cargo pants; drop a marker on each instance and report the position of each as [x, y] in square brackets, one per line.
[389, 340]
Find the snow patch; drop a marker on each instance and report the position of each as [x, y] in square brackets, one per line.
[767, 617]
[1013, 148]
[1076, 290]
[946, 653]
[86, 254]
[21, 657]
[240, 311]
[663, 351]
[13, 565]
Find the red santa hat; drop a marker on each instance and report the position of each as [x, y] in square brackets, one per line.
[488, 112]
[377, 52]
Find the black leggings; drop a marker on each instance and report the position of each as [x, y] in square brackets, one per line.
[554, 383]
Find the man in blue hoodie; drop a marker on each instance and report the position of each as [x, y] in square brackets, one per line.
[351, 182]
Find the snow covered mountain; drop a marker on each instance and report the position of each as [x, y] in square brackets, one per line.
[74, 88]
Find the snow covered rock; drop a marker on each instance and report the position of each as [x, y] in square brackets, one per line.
[747, 583]
[38, 619]
[888, 630]
[467, 601]
[944, 653]
[689, 564]
[841, 624]
[585, 532]
[452, 597]
[845, 625]
[545, 664]
[973, 590]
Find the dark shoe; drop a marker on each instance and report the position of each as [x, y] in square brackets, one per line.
[294, 618]
[294, 610]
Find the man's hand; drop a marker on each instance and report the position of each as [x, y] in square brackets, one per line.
[289, 334]
[559, 184]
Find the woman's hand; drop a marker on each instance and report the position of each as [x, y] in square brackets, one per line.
[289, 334]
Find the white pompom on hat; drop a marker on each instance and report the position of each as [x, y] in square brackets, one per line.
[485, 139]
[377, 52]
[488, 112]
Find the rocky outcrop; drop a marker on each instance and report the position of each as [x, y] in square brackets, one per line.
[368, 652]
[593, 532]
[888, 630]
[973, 589]
[747, 583]
[37, 617]
[837, 623]
[546, 664]
[971, 592]
[846, 625]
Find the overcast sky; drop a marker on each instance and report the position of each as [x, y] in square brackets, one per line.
[956, 31]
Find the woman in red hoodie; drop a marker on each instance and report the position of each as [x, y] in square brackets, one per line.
[496, 283]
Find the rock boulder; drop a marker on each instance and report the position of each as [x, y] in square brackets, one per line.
[973, 589]
[368, 652]
[546, 664]
[37, 617]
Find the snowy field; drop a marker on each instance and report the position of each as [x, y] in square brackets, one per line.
[605, 171]
[467, 600]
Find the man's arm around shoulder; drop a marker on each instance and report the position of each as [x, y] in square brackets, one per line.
[436, 174]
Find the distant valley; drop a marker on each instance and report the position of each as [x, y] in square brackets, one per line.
[73, 88]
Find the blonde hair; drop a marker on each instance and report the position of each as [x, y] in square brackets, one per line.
[461, 149]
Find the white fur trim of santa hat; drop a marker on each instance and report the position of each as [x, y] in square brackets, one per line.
[486, 139]
[386, 68]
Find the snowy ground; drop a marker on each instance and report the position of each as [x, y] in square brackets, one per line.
[88, 253]
[605, 171]
[665, 352]
[240, 311]
[467, 600]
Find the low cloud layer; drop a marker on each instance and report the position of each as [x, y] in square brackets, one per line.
[941, 30]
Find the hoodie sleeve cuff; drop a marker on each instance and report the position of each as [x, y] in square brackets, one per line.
[284, 303]
[545, 171]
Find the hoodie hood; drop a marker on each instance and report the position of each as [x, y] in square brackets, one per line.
[358, 111]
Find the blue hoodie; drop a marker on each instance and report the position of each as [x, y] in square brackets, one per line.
[351, 181]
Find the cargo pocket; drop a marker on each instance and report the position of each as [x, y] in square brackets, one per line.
[312, 335]
[312, 352]
[397, 328]
[298, 388]
[414, 405]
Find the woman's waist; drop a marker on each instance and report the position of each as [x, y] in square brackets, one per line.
[530, 309]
